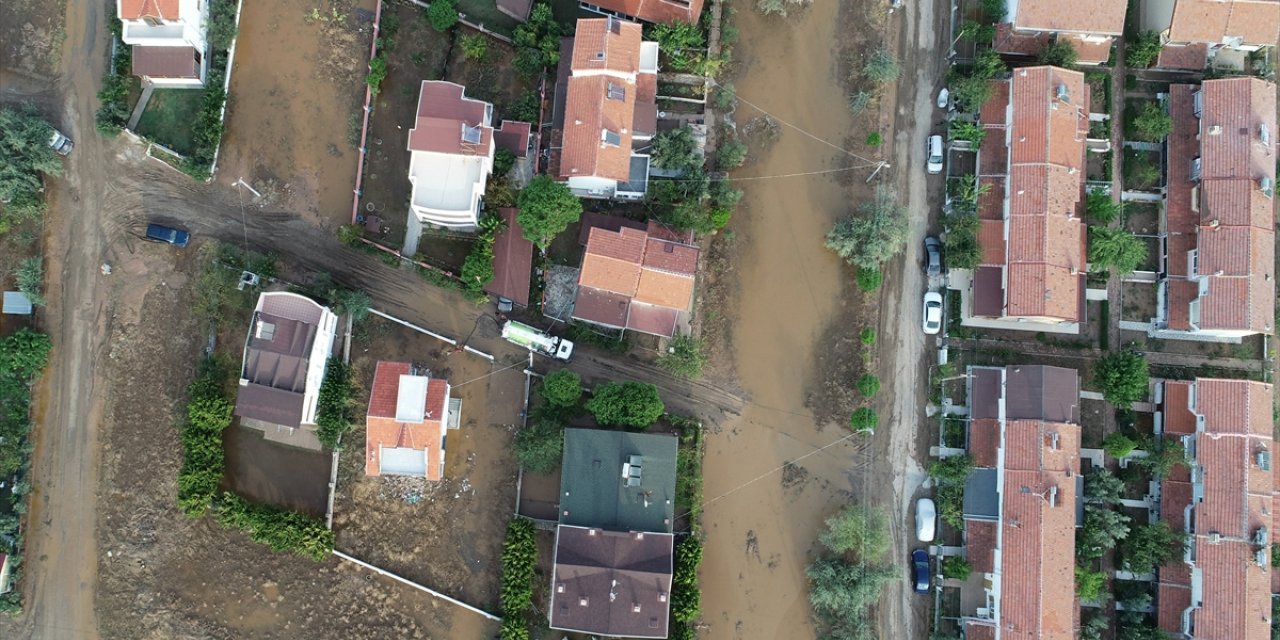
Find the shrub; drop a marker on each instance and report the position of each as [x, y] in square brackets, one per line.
[350, 234]
[333, 404]
[222, 23]
[725, 98]
[860, 530]
[1102, 528]
[732, 154]
[1090, 584]
[1141, 51]
[519, 559]
[684, 357]
[970, 93]
[537, 42]
[208, 414]
[868, 385]
[503, 161]
[963, 130]
[956, 568]
[539, 447]
[1151, 124]
[628, 404]
[280, 529]
[1059, 53]
[442, 14]
[562, 388]
[864, 420]
[685, 595]
[874, 139]
[881, 67]
[1101, 208]
[1122, 376]
[1117, 445]
[961, 249]
[474, 46]
[869, 279]
[351, 302]
[873, 239]
[547, 208]
[1150, 545]
[841, 591]
[867, 337]
[377, 73]
[676, 150]
[24, 153]
[30, 277]
[683, 44]
[1102, 486]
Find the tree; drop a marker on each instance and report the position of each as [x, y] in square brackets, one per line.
[503, 161]
[1122, 376]
[876, 237]
[222, 24]
[968, 191]
[1102, 528]
[1101, 208]
[537, 42]
[956, 567]
[869, 279]
[732, 154]
[334, 403]
[1163, 456]
[519, 566]
[477, 268]
[353, 302]
[676, 150]
[868, 385]
[1114, 248]
[562, 388]
[864, 420]
[628, 404]
[1141, 51]
[1150, 545]
[1103, 487]
[685, 595]
[547, 207]
[952, 470]
[1151, 124]
[474, 46]
[993, 10]
[442, 14]
[989, 64]
[682, 42]
[30, 277]
[1090, 584]
[881, 67]
[1117, 445]
[540, 445]
[970, 132]
[860, 530]
[970, 93]
[960, 244]
[684, 357]
[1059, 53]
[24, 154]
[840, 590]
[1093, 624]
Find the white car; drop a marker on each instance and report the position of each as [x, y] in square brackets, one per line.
[932, 312]
[944, 98]
[934, 150]
[926, 520]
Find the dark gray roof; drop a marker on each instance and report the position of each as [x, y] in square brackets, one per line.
[981, 501]
[276, 406]
[984, 393]
[593, 492]
[1042, 393]
[612, 583]
[638, 175]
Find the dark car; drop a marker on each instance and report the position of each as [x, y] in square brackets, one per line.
[920, 571]
[161, 233]
[932, 257]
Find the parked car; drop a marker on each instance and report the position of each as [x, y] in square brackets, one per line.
[944, 98]
[926, 519]
[161, 233]
[61, 143]
[920, 571]
[934, 150]
[932, 312]
[932, 257]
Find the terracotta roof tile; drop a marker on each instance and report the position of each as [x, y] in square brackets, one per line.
[512, 261]
[444, 113]
[609, 274]
[1011, 42]
[1193, 57]
[1089, 52]
[652, 319]
[601, 307]
[980, 541]
[1255, 22]
[1173, 600]
[656, 11]
[596, 46]
[665, 289]
[672, 257]
[165, 62]
[383, 430]
[629, 263]
[984, 442]
[135, 9]
[1080, 16]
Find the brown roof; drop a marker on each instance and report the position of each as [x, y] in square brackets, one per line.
[268, 404]
[988, 292]
[1038, 392]
[1254, 22]
[512, 261]
[514, 137]
[1173, 600]
[984, 442]
[980, 541]
[655, 10]
[606, 44]
[382, 429]
[277, 353]
[443, 116]
[1080, 16]
[135, 9]
[165, 62]
[979, 630]
[607, 222]
[1183, 56]
[630, 264]
[612, 583]
[986, 387]
[1087, 51]
[1011, 42]
[652, 319]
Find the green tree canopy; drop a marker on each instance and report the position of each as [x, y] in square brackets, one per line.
[1117, 445]
[864, 420]
[1102, 528]
[1151, 124]
[1102, 486]
[839, 589]
[1090, 585]
[1100, 208]
[1141, 51]
[627, 404]
[879, 234]
[1116, 249]
[1150, 545]
[562, 388]
[858, 530]
[537, 42]
[675, 150]
[24, 154]
[547, 208]
[442, 14]
[1123, 377]
[684, 357]
[1059, 53]
[539, 446]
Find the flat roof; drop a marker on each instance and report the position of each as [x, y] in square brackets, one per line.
[593, 492]
[445, 181]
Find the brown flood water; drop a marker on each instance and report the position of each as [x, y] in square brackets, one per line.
[759, 537]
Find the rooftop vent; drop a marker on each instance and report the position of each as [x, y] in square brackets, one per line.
[1267, 186]
[635, 607]
[1215, 130]
[583, 601]
[1215, 537]
[560, 588]
[662, 597]
[1264, 134]
[615, 25]
[1261, 536]
[1261, 557]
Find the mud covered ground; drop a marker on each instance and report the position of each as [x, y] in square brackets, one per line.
[31, 36]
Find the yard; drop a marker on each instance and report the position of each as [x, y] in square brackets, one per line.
[1142, 170]
[446, 535]
[168, 117]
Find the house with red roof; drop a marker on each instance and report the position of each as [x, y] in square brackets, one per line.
[654, 11]
[635, 279]
[1021, 505]
[452, 146]
[1091, 27]
[170, 49]
[409, 414]
[1031, 178]
[1225, 501]
[512, 261]
[605, 110]
[1217, 272]
[1196, 32]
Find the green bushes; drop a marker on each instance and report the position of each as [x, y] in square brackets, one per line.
[1117, 445]
[562, 388]
[859, 530]
[869, 280]
[30, 277]
[845, 584]
[870, 240]
[113, 113]
[22, 356]
[951, 473]
[684, 357]
[539, 446]
[1141, 51]
[208, 414]
[477, 269]
[442, 14]
[1151, 124]
[24, 155]
[956, 567]
[1059, 53]
[868, 385]
[377, 73]
[1123, 377]
[280, 529]
[685, 597]
[537, 42]
[629, 404]
[333, 405]
[864, 420]
[689, 469]
[519, 557]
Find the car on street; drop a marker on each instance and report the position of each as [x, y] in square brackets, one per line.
[932, 257]
[60, 143]
[944, 98]
[926, 519]
[920, 571]
[932, 312]
[934, 149]
[161, 233]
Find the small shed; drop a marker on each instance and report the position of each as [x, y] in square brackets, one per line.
[17, 303]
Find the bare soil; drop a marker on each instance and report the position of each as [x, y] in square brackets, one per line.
[31, 36]
[297, 81]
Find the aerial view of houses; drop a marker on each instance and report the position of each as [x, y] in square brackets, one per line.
[660, 319]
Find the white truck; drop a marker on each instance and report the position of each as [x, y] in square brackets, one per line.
[535, 340]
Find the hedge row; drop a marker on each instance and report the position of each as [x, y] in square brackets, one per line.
[280, 529]
[519, 557]
[203, 460]
[686, 599]
[333, 406]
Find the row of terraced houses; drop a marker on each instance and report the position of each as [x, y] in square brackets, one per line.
[1214, 281]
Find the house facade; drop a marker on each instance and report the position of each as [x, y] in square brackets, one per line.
[1021, 504]
[1091, 27]
[1216, 279]
[168, 40]
[1196, 33]
[452, 146]
[642, 280]
[1224, 500]
[605, 110]
[410, 412]
[1031, 178]
[289, 343]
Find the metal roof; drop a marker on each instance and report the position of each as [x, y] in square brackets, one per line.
[594, 493]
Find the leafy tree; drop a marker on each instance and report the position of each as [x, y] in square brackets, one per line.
[685, 595]
[1141, 51]
[24, 153]
[841, 590]
[876, 237]
[540, 446]
[222, 24]
[280, 529]
[1090, 585]
[867, 337]
[353, 302]
[537, 42]
[859, 530]
[1118, 249]
[683, 44]
[864, 420]
[726, 97]
[526, 108]
[1059, 53]
[1102, 528]
[881, 67]
[1163, 456]
[547, 207]
[562, 388]
[1151, 124]
[956, 567]
[474, 46]
[874, 139]
[334, 403]
[519, 562]
[970, 93]
[1103, 487]
[684, 357]
[869, 279]
[952, 470]
[732, 154]
[1117, 445]
[442, 14]
[503, 161]
[1150, 545]
[968, 191]
[1093, 624]
[1101, 208]
[628, 404]
[30, 276]
[868, 385]
[993, 10]
[477, 268]
[676, 150]
[988, 64]
[970, 132]
[1122, 376]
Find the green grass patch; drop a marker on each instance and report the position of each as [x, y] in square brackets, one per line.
[168, 118]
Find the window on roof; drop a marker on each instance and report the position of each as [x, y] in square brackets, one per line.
[617, 91]
[151, 21]
[610, 137]
[470, 135]
[615, 25]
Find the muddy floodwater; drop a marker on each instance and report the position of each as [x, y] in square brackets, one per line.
[275, 474]
[760, 521]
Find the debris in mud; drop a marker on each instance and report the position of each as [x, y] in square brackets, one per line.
[794, 476]
[753, 544]
[762, 131]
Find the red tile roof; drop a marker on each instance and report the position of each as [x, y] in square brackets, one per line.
[514, 137]
[382, 429]
[1079, 16]
[1087, 51]
[980, 544]
[1010, 42]
[512, 261]
[629, 264]
[1173, 600]
[165, 62]
[1254, 22]
[984, 442]
[443, 114]
[1183, 56]
[657, 11]
[136, 9]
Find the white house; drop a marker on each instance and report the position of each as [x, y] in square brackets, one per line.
[168, 39]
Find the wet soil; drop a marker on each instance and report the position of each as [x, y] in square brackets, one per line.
[31, 36]
[298, 80]
[269, 472]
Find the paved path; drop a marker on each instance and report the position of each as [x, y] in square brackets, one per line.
[147, 88]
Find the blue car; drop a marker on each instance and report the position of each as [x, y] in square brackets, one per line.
[161, 233]
[920, 571]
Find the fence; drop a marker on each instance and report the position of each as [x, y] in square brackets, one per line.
[408, 582]
[364, 127]
[226, 89]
